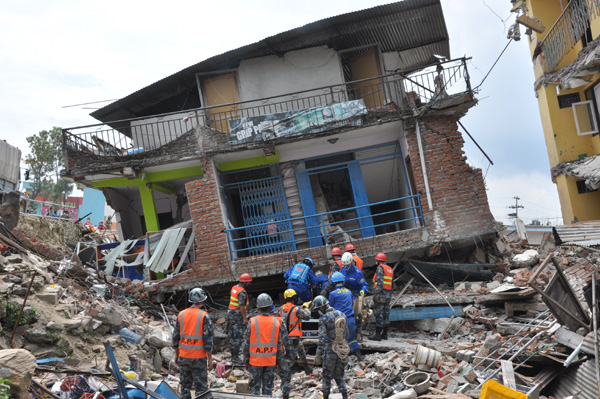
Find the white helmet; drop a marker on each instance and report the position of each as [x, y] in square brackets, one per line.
[347, 259]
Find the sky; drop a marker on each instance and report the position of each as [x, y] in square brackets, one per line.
[54, 54]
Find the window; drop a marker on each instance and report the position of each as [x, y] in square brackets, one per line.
[567, 100]
[582, 188]
[585, 118]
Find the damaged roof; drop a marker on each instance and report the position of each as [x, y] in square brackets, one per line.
[581, 233]
[414, 28]
[587, 169]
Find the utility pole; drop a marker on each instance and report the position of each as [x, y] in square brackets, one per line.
[516, 207]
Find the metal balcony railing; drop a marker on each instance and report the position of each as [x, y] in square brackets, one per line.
[568, 30]
[387, 92]
[279, 236]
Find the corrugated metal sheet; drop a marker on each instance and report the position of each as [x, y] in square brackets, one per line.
[10, 158]
[578, 379]
[577, 232]
[414, 28]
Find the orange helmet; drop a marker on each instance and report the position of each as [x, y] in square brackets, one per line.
[381, 256]
[349, 247]
[335, 251]
[245, 278]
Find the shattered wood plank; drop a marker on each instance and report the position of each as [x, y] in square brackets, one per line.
[508, 374]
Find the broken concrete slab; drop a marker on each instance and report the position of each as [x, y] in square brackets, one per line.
[50, 294]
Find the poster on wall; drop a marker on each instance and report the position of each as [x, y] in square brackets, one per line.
[290, 123]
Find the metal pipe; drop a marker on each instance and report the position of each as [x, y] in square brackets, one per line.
[422, 156]
[22, 307]
[573, 355]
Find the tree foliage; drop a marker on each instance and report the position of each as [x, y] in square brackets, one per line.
[45, 162]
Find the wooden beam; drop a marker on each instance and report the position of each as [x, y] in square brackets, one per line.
[531, 23]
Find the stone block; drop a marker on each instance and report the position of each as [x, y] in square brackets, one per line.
[241, 386]
[50, 295]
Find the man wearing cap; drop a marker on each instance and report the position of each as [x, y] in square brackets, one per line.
[266, 341]
[192, 340]
[357, 260]
[236, 316]
[301, 279]
[382, 296]
[336, 264]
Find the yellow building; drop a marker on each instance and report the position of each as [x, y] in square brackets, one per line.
[565, 50]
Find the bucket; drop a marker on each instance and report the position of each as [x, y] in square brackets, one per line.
[418, 381]
[130, 336]
[426, 356]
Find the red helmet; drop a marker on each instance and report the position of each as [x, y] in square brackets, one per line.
[349, 247]
[336, 251]
[245, 278]
[381, 256]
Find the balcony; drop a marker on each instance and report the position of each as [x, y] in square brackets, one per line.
[568, 29]
[392, 93]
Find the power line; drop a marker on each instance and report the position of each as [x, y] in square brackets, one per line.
[516, 207]
[93, 102]
[495, 62]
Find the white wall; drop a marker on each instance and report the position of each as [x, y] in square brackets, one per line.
[295, 71]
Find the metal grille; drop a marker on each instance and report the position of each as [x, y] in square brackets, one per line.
[567, 100]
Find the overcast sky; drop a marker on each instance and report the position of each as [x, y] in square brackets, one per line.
[59, 53]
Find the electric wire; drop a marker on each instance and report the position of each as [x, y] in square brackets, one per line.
[495, 62]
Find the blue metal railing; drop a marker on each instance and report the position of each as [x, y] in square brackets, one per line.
[280, 233]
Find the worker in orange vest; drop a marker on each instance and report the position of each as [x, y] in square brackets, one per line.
[293, 315]
[192, 340]
[236, 316]
[336, 265]
[382, 296]
[352, 249]
[266, 341]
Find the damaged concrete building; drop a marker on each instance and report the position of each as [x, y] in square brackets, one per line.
[565, 49]
[342, 130]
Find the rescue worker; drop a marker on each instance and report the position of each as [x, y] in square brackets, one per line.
[301, 279]
[333, 334]
[355, 281]
[336, 265]
[266, 341]
[382, 296]
[342, 299]
[352, 249]
[237, 318]
[192, 340]
[292, 315]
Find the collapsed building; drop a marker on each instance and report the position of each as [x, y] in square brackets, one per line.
[342, 130]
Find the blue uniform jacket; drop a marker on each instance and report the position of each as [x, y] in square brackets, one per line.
[355, 281]
[342, 299]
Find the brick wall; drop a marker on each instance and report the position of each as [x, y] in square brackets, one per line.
[460, 205]
[47, 250]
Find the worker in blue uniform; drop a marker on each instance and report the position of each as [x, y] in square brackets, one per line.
[343, 300]
[301, 279]
[355, 280]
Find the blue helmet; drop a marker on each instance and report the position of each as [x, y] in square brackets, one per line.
[308, 262]
[338, 277]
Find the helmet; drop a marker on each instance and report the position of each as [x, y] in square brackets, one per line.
[264, 301]
[319, 302]
[245, 278]
[381, 256]
[197, 295]
[347, 259]
[289, 293]
[349, 247]
[336, 251]
[308, 261]
[272, 308]
[338, 277]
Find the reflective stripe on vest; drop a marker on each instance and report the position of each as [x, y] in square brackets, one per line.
[388, 277]
[358, 261]
[191, 327]
[234, 299]
[339, 262]
[295, 325]
[264, 334]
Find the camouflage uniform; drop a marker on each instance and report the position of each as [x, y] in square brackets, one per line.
[235, 321]
[333, 366]
[193, 372]
[296, 348]
[263, 377]
[381, 301]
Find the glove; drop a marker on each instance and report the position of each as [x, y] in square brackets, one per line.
[318, 358]
[362, 292]
[306, 305]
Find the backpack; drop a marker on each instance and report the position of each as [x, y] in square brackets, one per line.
[299, 273]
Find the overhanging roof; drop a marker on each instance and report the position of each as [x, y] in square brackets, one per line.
[414, 28]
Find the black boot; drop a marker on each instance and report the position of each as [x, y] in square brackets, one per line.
[384, 332]
[344, 394]
[325, 395]
[377, 336]
[359, 355]
[307, 369]
[286, 396]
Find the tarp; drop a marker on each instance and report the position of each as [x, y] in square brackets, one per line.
[10, 158]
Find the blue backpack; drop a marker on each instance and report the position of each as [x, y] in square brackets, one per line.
[299, 274]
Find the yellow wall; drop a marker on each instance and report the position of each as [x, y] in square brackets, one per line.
[573, 204]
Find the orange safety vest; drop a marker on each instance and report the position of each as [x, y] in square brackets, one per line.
[388, 277]
[191, 327]
[234, 300]
[294, 324]
[264, 334]
[358, 261]
[339, 262]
